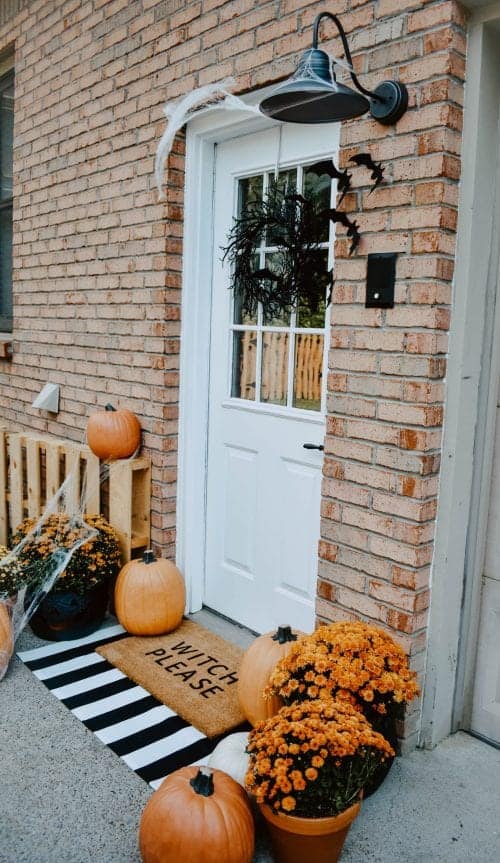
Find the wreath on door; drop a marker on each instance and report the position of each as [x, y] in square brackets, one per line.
[290, 224]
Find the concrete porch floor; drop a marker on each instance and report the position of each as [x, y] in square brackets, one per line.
[66, 797]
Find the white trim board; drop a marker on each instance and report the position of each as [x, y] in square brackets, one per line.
[455, 580]
[203, 133]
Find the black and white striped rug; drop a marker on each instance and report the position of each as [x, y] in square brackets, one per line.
[147, 735]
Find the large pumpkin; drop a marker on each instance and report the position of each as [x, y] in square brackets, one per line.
[197, 815]
[150, 596]
[6, 638]
[259, 661]
[113, 433]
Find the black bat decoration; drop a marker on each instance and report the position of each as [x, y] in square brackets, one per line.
[375, 167]
[328, 167]
[352, 227]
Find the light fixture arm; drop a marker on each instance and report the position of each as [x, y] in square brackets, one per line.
[348, 56]
[390, 99]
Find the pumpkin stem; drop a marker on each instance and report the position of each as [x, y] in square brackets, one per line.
[109, 407]
[284, 634]
[148, 556]
[203, 782]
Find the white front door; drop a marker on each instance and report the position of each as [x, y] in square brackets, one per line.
[267, 399]
[486, 701]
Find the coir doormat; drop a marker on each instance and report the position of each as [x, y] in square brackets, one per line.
[191, 670]
[148, 736]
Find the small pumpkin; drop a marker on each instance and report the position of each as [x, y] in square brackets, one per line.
[259, 661]
[113, 433]
[197, 815]
[150, 596]
[6, 638]
[230, 756]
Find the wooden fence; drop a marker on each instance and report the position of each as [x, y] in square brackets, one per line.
[33, 468]
[308, 367]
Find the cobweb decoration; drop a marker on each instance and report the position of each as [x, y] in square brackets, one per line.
[211, 97]
[32, 584]
[42, 552]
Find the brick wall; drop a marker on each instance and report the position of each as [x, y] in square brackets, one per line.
[98, 259]
[387, 368]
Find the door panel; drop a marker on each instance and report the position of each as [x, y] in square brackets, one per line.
[485, 718]
[267, 396]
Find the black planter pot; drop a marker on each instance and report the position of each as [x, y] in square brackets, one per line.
[387, 726]
[68, 615]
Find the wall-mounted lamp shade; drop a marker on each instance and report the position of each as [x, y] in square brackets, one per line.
[313, 95]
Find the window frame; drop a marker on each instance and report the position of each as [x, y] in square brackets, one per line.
[6, 205]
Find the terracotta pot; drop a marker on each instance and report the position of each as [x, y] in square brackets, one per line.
[308, 840]
[67, 615]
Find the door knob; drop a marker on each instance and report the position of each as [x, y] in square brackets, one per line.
[313, 446]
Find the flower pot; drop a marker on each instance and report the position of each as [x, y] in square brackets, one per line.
[385, 724]
[308, 840]
[67, 615]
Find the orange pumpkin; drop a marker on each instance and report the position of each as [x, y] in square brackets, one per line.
[150, 596]
[259, 662]
[113, 433]
[6, 639]
[197, 815]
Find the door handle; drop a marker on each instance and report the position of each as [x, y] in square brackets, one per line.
[313, 446]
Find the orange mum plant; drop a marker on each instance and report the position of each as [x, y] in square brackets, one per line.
[353, 662]
[313, 759]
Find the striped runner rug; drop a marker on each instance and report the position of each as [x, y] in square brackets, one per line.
[151, 739]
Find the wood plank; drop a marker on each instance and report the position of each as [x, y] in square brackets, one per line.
[52, 469]
[33, 475]
[120, 504]
[15, 481]
[72, 472]
[91, 493]
[141, 505]
[4, 522]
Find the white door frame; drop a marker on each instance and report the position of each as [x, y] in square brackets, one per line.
[467, 451]
[203, 133]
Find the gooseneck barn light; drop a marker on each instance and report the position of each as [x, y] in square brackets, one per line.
[313, 95]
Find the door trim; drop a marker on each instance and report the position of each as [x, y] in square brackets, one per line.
[203, 134]
[467, 451]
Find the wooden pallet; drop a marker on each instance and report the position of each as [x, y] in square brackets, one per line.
[33, 468]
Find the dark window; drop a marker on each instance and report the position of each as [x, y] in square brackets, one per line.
[6, 147]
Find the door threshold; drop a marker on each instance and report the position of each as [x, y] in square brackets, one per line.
[234, 632]
[488, 740]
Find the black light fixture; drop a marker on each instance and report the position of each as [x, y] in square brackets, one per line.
[313, 95]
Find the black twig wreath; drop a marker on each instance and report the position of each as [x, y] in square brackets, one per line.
[290, 224]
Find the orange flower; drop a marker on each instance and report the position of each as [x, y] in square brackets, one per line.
[318, 736]
[352, 661]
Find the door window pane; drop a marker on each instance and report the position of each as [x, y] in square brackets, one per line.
[274, 382]
[313, 315]
[240, 315]
[244, 365]
[317, 185]
[308, 371]
[249, 192]
[284, 184]
[273, 264]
